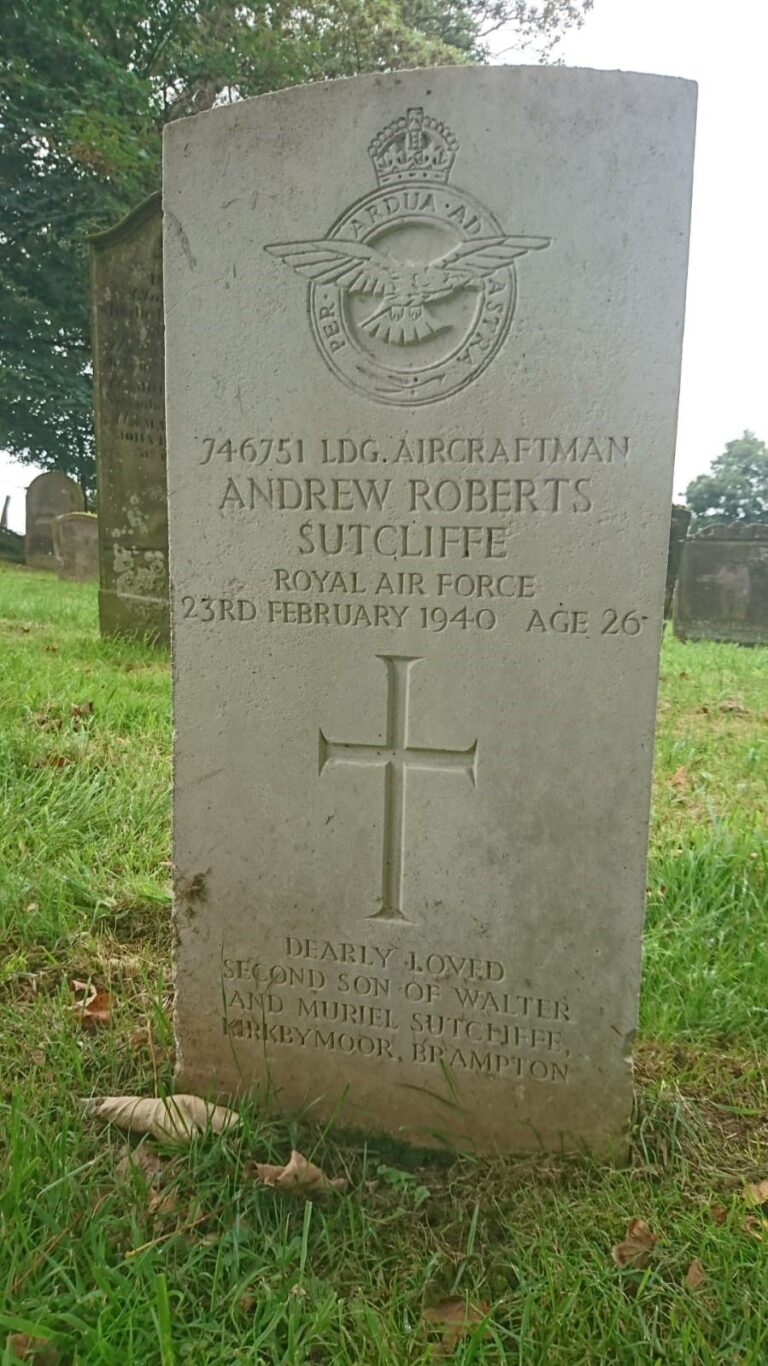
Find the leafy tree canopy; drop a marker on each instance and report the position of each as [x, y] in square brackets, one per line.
[86, 87]
[737, 488]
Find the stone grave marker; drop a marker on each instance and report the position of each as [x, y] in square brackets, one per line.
[722, 589]
[76, 546]
[423, 346]
[129, 409]
[48, 496]
[678, 531]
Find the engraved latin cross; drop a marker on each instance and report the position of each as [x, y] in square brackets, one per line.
[396, 757]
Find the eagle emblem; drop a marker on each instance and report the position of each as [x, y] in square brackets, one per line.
[412, 292]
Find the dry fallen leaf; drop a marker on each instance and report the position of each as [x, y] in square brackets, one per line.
[79, 710]
[22, 1347]
[636, 1247]
[694, 1275]
[297, 1177]
[718, 1214]
[141, 1159]
[730, 704]
[453, 1318]
[94, 1009]
[175, 1118]
[756, 1228]
[679, 777]
[757, 1193]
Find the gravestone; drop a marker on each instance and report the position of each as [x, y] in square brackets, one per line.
[129, 410]
[76, 546]
[11, 544]
[678, 530]
[422, 380]
[48, 497]
[722, 590]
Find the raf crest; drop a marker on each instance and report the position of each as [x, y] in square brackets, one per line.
[413, 290]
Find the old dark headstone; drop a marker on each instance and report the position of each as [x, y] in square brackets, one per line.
[76, 542]
[722, 590]
[48, 496]
[129, 407]
[678, 530]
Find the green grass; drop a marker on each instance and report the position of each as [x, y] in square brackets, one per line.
[225, 1271]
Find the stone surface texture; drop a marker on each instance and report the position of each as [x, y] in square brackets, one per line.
[722, 590]
[76, 546]
[48, 496]
[129, 409]
[421, 408]
[678, 531]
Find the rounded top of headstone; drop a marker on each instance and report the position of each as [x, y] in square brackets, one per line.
[54, 484]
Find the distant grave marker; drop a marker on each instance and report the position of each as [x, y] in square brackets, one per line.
[722, 590]
[76, 545]
[129, 405]
[48, 496]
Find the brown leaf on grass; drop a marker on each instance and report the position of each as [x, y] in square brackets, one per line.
[694, 1275]
[757, 1194]
[175, 1119]
[141, 1159]
[453, 1318]
[94, 1009]
[735, 708]
[22, 1347]
[755, 1227]
[297, 1177]
[679, 778]
[635, 1250]
[163, 1203]
[718, 1214]
[79, 710]
[47, 719]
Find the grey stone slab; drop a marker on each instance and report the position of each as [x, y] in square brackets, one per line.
[678, 531]
[76, 546]
[129, 407]
[722, 589]
[48, 496]
[423, 342]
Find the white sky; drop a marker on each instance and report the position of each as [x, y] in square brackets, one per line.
[723, 47]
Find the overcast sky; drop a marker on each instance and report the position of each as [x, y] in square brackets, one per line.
[723, 47]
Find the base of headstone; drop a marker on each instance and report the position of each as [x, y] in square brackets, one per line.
[136, 618]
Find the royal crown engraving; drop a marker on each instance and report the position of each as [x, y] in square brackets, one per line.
[436, 264]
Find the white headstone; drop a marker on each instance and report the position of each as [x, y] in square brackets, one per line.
[423, 348]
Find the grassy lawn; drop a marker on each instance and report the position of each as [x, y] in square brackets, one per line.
[198, 1263]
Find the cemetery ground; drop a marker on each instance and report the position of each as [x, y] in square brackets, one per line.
[188, 1257]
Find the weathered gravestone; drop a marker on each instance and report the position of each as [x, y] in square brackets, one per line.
[678, 530]
[48, 497]
[76, 546]
[423, 345]
[129, 407]
[722, 590]
[11, 544]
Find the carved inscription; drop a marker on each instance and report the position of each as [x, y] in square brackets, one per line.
[374, 1001]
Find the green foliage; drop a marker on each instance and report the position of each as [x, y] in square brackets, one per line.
[737, 488]
[86, 87]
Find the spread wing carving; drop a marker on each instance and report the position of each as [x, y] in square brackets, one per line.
[351, 265]
[404, 287]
